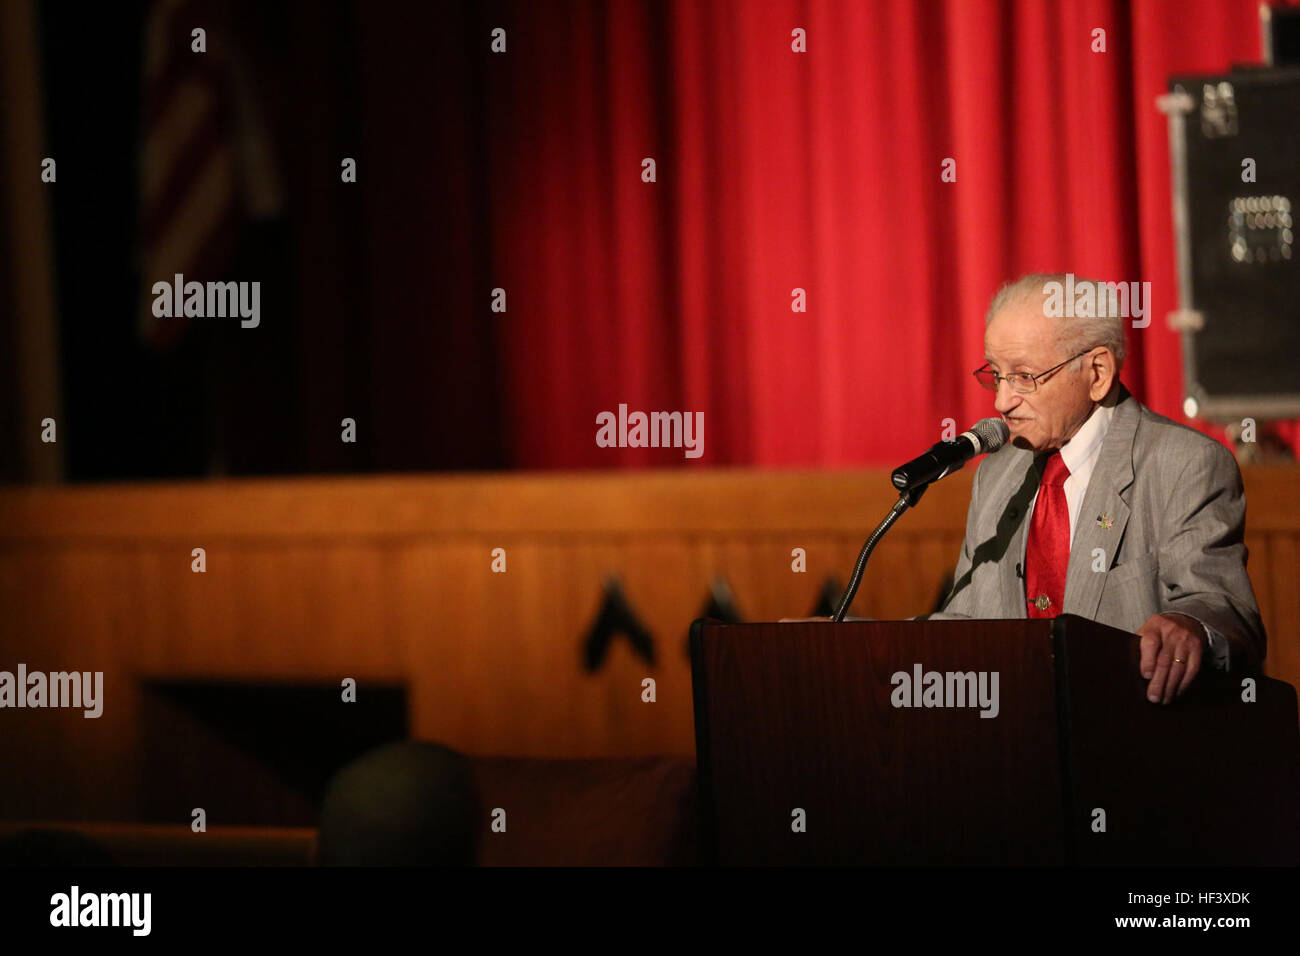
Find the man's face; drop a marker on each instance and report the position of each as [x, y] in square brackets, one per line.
[1021, 339]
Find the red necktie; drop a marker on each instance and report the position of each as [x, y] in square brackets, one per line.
[1047, 555]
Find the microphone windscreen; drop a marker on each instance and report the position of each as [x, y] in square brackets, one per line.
[992, 433]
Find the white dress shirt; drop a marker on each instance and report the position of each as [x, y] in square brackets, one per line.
[1080, 457]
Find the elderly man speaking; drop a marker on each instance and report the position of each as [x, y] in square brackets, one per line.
[1099, 507]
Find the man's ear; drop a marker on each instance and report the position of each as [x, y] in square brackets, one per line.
[1101, 367]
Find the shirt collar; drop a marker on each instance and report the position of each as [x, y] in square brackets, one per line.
[1088, 438]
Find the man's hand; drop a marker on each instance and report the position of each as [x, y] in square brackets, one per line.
[1172, 648]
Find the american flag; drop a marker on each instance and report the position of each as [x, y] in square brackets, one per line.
[205, 157]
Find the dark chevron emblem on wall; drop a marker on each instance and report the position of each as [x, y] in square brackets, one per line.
[615, 617]
[721, 606]
[942, 597]
[828, 599]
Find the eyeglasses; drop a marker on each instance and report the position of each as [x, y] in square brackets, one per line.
[1021, 382]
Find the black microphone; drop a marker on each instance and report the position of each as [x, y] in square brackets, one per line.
[986, 435]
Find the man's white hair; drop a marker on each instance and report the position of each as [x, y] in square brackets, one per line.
[1073, 334]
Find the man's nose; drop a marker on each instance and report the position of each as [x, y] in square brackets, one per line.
[1007, 397]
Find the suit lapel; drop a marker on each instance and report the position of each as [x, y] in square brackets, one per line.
[1016, 492]
[1105, 511]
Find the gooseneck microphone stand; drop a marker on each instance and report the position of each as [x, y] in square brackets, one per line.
[906, 499]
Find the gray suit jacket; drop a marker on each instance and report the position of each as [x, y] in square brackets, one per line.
[1163, 515]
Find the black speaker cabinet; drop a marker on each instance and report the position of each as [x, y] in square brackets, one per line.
[1235, 157]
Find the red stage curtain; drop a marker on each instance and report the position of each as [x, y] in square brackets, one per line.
[778, 170]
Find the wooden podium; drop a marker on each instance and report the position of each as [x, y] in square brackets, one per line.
[803, 725]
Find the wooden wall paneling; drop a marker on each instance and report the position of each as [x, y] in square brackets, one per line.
[1282, 571]
[389, 579]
